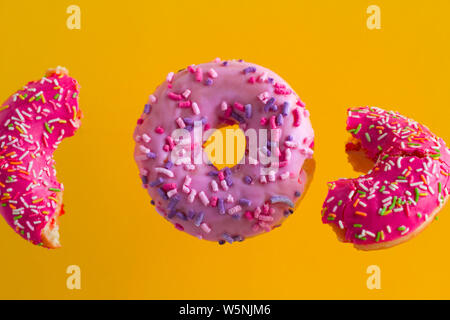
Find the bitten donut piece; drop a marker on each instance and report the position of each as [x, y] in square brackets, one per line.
[235, 203]
[401, 195]
[33, 122]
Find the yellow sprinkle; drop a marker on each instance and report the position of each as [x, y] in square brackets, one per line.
[3, 108]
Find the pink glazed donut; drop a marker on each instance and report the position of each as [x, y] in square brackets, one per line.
[402, 193]
[33, 122]
[230, 204]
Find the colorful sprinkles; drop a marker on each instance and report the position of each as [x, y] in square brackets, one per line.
[230, 204]
[35, 121]
[406, 187]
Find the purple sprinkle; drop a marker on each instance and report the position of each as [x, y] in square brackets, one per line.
[181, 215]
[245, 202]
[269, 104]
[279, 120]
[289, 138]
[151, 155]
[213, 173]
[270, 80]
[172, 202]
[189, 127]
[286, 213]
[209, 81]
[198, 219]
[144, 179]
[274, 108]
[171, 214]
[285, 109]
[238, 238]
[229, 181]
[188, 121]
[147, 108]
[236, 216]
[152, 202]
[249, 70]
[248, 179]
[227, 238]
[191, 214]
[248, 111]
[221, 242]
[237, 116]
[227, 171]
[168, 165]
[221, 206]
[163, 194]
[225, 63]
[157, 182]
[297, 193]
[204, 120]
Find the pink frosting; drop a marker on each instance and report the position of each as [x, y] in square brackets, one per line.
[407, 184]
[244, 203]
[33, 122]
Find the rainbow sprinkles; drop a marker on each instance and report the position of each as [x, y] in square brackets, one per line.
[402, 193]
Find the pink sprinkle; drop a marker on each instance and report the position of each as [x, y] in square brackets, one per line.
[251, 80]
[199, 74]
[272, 122]
[159, 130]
[205, 227]
[296, 113]
[169, 186]
[203, 198]
[263, 121]
[166, 147]
[228, 112]
[195, 108]
[264, 96]
[170, 77]
[212, 73]
[262, 77]
[170, 142]
[174, 96]
[179, 226]
[300, 103]
[140, 121]
[207, 127]
[248, 215]
[224, 106]
[186, 93]
[191, 68]
[185, 104]
[214, 201]
[187, 180]
[239, 106]
[152, 98]
[221, 175]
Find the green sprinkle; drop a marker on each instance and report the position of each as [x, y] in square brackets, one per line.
[382, 188]
[47, 127]
[393, 203]
[378, 236]
[436, 218]
[437, 155]
[358, 128]
[17, 217]
[367, 137]
[383, 210]
[419, 215]
[401, 228]
[439, 187]
[39, 97]
[10, 178]
[74, 95]
[330, 218]
[385, 157]
[417, 194]
[380, 148]
[357, 225]
[414, 144]
[401, 178]
[56, 96]
[371, 126]
[54, 189]
[339, 202]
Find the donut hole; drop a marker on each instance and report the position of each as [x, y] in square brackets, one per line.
[226, 146]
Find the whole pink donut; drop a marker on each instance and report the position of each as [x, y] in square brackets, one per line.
[230, 204]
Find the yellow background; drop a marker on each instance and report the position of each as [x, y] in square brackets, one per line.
[126, 48]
